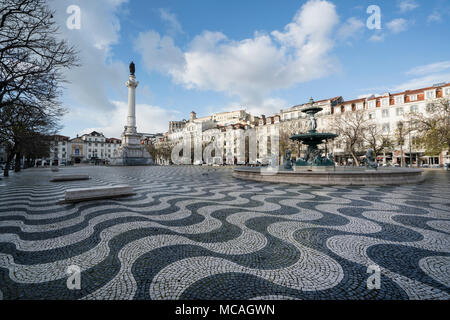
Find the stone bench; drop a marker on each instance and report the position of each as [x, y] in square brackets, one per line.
[69, 177]
[97, 193]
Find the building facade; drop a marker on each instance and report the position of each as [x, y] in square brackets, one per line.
[88, 147]
[245, 139]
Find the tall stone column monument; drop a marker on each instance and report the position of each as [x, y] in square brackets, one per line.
[131, 152]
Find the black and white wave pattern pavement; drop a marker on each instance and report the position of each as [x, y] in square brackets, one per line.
[196, 233]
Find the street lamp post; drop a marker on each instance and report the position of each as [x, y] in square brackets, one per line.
[409, 138]
[400, 142]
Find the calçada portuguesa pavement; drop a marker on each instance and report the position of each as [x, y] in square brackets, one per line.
[198, 233]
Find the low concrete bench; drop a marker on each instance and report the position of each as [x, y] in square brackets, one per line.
[69, 177]
[97, 193]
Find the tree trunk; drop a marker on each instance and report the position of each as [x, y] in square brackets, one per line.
[355, 159]
[9, 159]
[17, 162]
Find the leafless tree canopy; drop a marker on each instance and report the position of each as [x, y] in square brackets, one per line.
[433, 128]
[32, 59]
[351, 127]
[376, 140]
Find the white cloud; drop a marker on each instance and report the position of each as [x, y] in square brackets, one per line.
[397, 25]
[149, 119]
[426, 75]
[350, 29]
[407, 5]
[424, 81]
[430, 68]
[249, 68]
[377, 38]
[268, 107]
[99, 72]
[159, 53]
[435, 16]
[172, 21]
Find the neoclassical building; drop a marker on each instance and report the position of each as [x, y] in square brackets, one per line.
[91, 146]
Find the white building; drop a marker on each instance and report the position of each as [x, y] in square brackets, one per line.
[92, 146]
[388, 110]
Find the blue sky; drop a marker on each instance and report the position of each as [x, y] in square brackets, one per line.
[261, 55]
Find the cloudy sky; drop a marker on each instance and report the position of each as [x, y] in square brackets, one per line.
[260, 55]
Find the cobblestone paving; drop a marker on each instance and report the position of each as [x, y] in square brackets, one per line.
[198, 233]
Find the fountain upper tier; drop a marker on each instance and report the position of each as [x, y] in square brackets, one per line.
[313, 137]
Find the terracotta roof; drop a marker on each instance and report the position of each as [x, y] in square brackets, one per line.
[353, 101]
[57, 136]
[414, 91]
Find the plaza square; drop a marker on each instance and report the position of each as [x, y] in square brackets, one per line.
[198, 233]
[215, 156]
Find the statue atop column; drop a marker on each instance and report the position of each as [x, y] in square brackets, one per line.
[132, 68]
[131, 151]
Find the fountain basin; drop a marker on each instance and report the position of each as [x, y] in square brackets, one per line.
[339, 176]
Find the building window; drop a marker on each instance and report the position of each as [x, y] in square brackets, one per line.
[385, 102]
[359, 106]
[430, 94]
[371, 115]
[386, 128]
[430, 107]
[413, 97]
[447, 91]
[399, 112]
[399, 100]
[414, 108]
[372, 104]
[385, 113]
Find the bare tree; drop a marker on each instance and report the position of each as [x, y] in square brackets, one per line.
[351, 127]
[432, 128]
[287, 130]
[32, 59]
[376, 140]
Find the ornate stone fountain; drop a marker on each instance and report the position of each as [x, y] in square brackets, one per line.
[313, 156]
